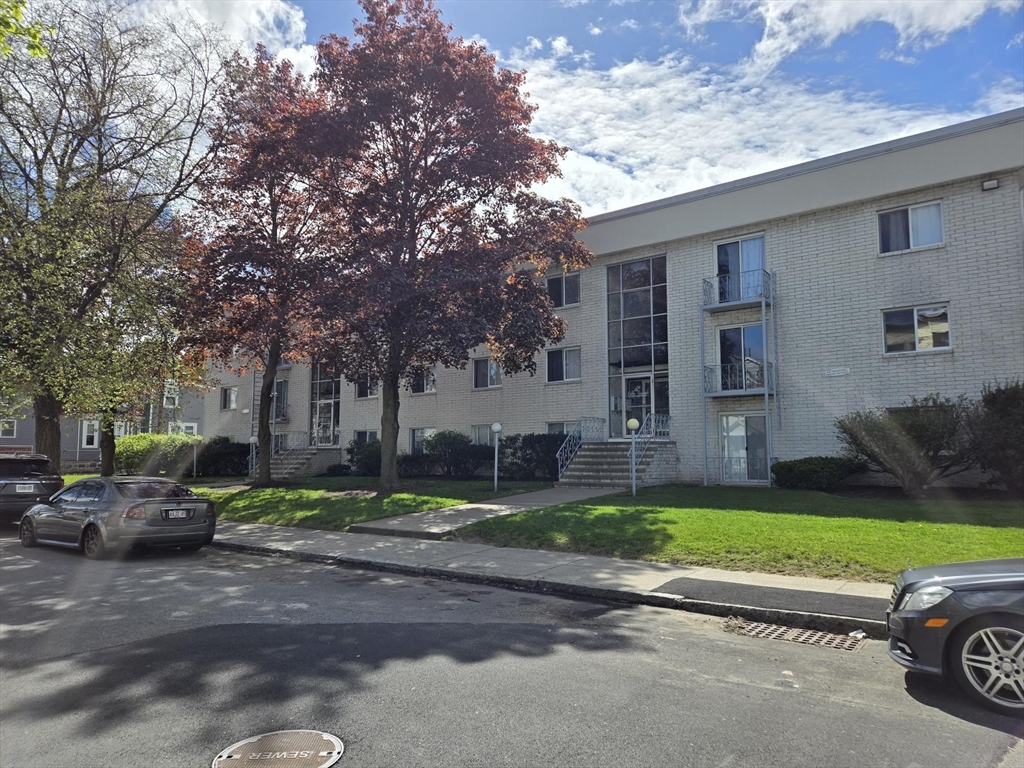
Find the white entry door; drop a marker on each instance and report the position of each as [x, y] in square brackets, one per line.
[325, 433]
[744, 449]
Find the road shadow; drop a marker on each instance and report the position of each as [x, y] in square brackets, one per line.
[944, 695]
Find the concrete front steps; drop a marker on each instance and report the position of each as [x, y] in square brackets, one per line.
[606, 465]
[307, 462]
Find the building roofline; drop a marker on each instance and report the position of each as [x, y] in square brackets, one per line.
[874, 150]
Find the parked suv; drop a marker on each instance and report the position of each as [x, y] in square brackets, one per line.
[26, 479]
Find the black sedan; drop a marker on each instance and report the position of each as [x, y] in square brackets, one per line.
[25, 480]
[106, 515]
[965, 620]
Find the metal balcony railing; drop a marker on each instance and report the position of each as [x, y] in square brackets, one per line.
[749, 377]
[743, 470]
[741, 287]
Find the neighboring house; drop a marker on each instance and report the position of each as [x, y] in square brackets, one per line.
[80, 441]
[752, 313]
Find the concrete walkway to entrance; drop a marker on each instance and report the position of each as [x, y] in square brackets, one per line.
[438, 523]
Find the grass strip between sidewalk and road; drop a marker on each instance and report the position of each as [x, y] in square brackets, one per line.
[335, 503]
[801, 533]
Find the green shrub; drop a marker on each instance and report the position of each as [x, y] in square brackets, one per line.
[454, 454]
[337, 470]
[364, 458]
[415, 466]
[153, 454]
[1000, 433]
[221, 457]
[524, 457]
[925, 440]
[813, 473]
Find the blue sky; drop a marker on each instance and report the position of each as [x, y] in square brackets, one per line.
[657, 97]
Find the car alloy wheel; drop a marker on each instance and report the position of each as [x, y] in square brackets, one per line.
[27, 534]
[92, 543]
[991, 663]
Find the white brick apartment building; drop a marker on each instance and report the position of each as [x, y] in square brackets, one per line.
[752, 313]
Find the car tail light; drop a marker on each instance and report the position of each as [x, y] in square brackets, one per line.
[135, 512]
[209, 511]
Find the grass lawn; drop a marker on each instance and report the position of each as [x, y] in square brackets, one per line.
[769, 530]
[334, 503]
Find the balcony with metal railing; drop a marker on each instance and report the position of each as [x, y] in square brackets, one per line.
[751, 377]
[736, 291]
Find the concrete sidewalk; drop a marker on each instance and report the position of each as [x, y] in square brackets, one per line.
[836, 606]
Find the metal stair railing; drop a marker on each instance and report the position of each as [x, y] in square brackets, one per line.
[587, 429]
[655, 425]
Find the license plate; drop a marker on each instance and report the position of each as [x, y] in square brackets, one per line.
[25, 488]
[177, 514]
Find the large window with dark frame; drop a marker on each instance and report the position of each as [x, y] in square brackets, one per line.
[366, 387]
[915, 226]
[486, 374]
[564, 365]
[637, 341]
[423, 382]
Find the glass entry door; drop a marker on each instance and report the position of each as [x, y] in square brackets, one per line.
[744, 449]
[638, 399]
[325, 430]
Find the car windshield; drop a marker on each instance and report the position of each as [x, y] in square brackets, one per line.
[154, 490]
[23, 468]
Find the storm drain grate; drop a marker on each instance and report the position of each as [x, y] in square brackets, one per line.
[794, 635]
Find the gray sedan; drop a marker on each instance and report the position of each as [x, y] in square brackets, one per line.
[105, 515]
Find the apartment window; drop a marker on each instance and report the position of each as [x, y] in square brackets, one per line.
[364, 436]
[486, 373]
[558, 427]
[228, 398]
[423, 382]
[170, 401]
[8, 428]
[913, 227]
[565, 289]
[171, 393]
[916, 329]
[416, 439]
[182, 428]
[90, 434]
[740, 269]
[564, 365]
[365, 387]
[482, 434]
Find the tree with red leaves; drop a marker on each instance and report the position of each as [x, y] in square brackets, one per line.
[432, 169]
[261, 241]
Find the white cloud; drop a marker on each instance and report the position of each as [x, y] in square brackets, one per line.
[594, 30]
[278, 24]
[1018, 39]
[643, 130]
[573, 3]
[630, 24]
[792, 24]
[560, 47]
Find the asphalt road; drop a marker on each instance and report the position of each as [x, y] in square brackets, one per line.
[167, 658]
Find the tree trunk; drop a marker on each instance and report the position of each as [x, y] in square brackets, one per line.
[266, 403]
[107, 444]
[48, 410]
[389, 434]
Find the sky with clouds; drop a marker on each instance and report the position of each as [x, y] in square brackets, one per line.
[656, 97]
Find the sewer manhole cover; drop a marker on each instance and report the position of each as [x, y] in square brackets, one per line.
[283, 749]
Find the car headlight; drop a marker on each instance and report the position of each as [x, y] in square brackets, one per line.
[924, 598]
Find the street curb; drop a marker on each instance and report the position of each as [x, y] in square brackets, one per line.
[801, 619]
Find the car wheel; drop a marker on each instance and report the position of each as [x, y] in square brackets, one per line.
[191, 547]
[92, 543]
[27, 534]
[987, 658]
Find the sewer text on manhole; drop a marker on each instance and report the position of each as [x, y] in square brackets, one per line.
[283, 749]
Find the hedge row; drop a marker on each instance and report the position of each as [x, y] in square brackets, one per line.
[150, 453]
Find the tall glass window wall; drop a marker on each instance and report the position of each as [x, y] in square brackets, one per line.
[325, 407]
[637, 342]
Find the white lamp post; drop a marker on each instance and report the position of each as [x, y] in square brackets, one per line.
[632, 425]
[195, 444]
[496, 429]
[253, 442]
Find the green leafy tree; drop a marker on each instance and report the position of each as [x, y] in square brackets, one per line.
[919, 443]
[100, 141]
[443, 240]
[1000, 433]
[13, 27]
